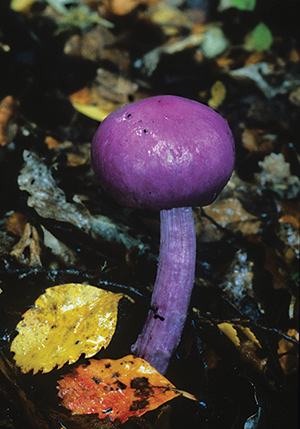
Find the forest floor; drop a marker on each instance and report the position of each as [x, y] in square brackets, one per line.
[64, 66]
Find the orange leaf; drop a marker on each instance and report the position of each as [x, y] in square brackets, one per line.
[83, 96]
[117, 389]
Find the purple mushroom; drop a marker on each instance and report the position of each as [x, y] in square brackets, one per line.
[165, 153]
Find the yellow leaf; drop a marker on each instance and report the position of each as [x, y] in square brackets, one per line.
[170, 19]
[92, 111]
[218, 94]
[21, 5]
[288, 353]
[66, 321]
[230, 332]
[249, 334]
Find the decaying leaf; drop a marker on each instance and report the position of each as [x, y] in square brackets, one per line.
[247, 346]
[51, 142]
[121, 7]
[238, 282]
[29, 239]
[110, 92]
[276, 175]
[66, 321]
[112, 88]
[8, 112]
[21, 5]
[229, 213]
[60, 250]
[148, 63]
[50, 201]
[260, 38]
[289, 232]
[117, 389]
[239, 4]
[83, 96]
[214, 43]
[257, 144]
[229, 330]
[16, 222]
[91, 111]
[274, 265]
[172, 20]
[249, 334]
[287, 354]
[46, 197]
[218, 94]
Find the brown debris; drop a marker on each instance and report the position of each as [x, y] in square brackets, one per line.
[274, 266]
[276, 175]
[238, 281]
[121, 7]
[248, 353]
[257, 142]
[16, 223]
[229, 213]
[8, 115]
[288, 354]
[294, 96]
[29, 240]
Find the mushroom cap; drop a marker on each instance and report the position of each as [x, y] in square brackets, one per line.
[163, 152]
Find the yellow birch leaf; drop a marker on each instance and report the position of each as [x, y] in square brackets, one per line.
[66, 321]
[230, 332]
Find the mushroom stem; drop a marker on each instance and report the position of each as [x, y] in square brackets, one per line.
[172, 289]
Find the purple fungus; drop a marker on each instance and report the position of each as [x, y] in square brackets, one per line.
[165, 153]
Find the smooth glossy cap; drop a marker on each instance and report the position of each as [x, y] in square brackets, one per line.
[163, 152]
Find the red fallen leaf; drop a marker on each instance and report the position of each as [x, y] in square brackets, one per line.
[117, 389]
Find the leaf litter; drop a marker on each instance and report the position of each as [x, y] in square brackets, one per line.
[82, 60]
